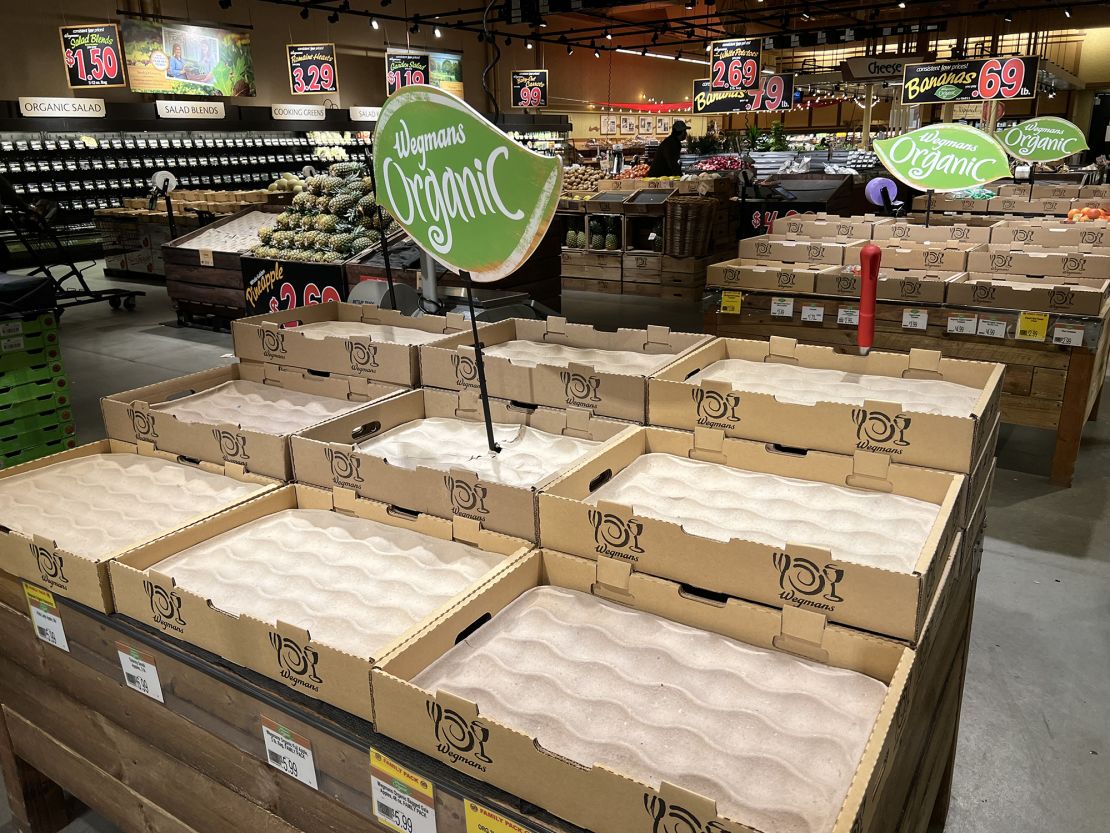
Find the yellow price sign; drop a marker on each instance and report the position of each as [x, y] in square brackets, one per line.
[481, 819]
[403, 801]
[730, 302]
[1032, 326]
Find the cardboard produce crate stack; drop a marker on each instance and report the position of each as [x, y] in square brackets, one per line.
[36, 418]
[570, 540]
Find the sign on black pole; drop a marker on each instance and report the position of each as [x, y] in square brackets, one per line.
[312, 68]
[403, 70]
[529, 87]
[984, 79]
[92, 55]
[734, 64]
[776, 93]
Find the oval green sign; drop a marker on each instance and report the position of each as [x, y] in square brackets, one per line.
[1043, 139]
[464, 191]
[944, 157]
[947, 91]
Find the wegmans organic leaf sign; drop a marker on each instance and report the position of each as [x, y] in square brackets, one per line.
[464, 191]
[1043, 139]
[944, 157]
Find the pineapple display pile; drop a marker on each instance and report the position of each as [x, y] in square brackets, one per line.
[603, 235]
[333, 218]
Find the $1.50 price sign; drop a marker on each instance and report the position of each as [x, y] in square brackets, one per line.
[529, 87]
[734, 64]
[312, 68]
[92, 55]
[403, 70]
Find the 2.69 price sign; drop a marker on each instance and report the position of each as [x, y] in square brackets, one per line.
[734, 64]
[402, 70]
[529, 87]
[984, 79]
[92, 55]
[312, 68]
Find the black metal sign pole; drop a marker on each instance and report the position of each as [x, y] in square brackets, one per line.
[382, 228]
[479, 364]
[928, 206]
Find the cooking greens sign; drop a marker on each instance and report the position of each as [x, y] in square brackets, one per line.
[944, 157]
[1043, 139]
[472, 197]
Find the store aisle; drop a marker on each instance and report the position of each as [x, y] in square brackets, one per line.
[1034, 745]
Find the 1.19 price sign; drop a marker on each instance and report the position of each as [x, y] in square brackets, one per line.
[402, 70]
[529, 87]
[312, 68]
[92, 55]
[734, 64]
[984, 79]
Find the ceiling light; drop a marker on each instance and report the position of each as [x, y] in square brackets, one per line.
[1008, 17]
[690, 4]
[437, 32]
[902, 4]
[608, 35]
[374, 24]
[1067, 12]
[570, 49]
[333, 17]
[806, 16]
[304, 12]
[528, 44]
[597, 54]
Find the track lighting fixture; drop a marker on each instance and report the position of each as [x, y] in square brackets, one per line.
[333, 17]
[374, 24]
[528, 44]
[597, 54]
[570, 49]
[437, 32]
[1067, 12]
[225, 4]
[304, 12]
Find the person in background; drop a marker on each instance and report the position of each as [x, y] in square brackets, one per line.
[177, 63]
[666, 157]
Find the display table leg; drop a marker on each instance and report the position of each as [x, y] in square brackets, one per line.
[1073, 415]
[1094, 408]
[38, 805]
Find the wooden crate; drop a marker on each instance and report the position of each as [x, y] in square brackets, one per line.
[595, 265]
[642, 267]
[591, 285]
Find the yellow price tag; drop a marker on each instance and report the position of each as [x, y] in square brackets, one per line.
[36, 596]
[1032, 326]
[403, 800]
[480, 819]
[730, 302]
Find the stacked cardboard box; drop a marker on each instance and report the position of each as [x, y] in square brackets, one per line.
[35, 414]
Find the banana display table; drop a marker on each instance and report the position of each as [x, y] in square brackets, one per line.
[161, 737]
[1054, 386]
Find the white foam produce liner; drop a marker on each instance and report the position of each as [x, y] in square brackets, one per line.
[375, 332]
[533, 353]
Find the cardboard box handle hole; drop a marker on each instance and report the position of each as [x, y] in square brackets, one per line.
[401, 512]
[180, 394]
[788, 450]
[600, 480]
[366, 430]
[473, 626]
[700, 594]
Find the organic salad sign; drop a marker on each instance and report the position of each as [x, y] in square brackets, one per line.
[1043, 139]
[472, 197]
[944, 157]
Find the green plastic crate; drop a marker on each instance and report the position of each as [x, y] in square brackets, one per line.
[47, 322]
[38, 436]
[28, 342]
[19, 359]
[26, 455]
[47, 400]
[58, 386]
[34, 421]
[47, 372]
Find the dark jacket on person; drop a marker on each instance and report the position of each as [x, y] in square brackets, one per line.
[666, 162]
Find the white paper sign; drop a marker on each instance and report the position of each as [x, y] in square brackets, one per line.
[40, 107]
[1067, 335]
[189, 109]
[814, 313]
[915, 319]
[140, 671]
[848, 315]
[991, 328]
[963, 324]
[782, 307]
[365, 113]
[44, 616]
[297, 112]
[290, 752]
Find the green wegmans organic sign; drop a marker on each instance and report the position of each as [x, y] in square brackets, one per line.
[944, 157]
[1043, 139]
[465, 192]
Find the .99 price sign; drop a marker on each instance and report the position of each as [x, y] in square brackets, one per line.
[734, 64]
[403, 70]
[312, 68]
[529, 87]
[92, 55]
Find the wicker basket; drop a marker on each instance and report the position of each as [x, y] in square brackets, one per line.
[689, 225]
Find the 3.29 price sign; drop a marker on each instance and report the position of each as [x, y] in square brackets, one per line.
[984, 79]
[92, 55]
[529, 87]
[402, 70]
[312, 68]
[734, 64]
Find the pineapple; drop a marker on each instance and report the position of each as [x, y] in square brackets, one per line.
[322, 203]
[341, 242]
[331, 256]
[332, 185]
[283, 239]
[315, 185]
[326, 223]
[572, 237]
[283, 221]
[581, 241]
[264, 234]
[367, 184]
[597, 241]
[303, 201]
[611, 234]
[342, 204]
[345, 168]
[360, 244]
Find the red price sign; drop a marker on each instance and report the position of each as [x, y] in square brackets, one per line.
[734, 64]
[312, 68]
[777, 93]
[980, 79]
[529, 88]
[1001, 80]
[92, 56]
[403, 70]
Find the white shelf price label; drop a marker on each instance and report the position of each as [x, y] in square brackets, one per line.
[1068, 335]
[290, 752]
[403, 800]
[813, 313]
[848, 315]
[782, 307]
[140, 671]
[915, 319]
[963, 324]
[991, 328]
[44, 616]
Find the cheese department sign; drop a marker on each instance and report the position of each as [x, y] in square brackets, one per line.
[1043, 139]
[944, 157]
[464, 191]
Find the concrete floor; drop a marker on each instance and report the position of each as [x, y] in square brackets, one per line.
[1034, 743]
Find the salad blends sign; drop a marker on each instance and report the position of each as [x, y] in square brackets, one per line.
[464, 191]
[944, 157]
